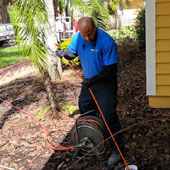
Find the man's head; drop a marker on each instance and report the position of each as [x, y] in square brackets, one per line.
[87, 28]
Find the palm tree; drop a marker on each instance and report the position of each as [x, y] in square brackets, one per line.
[115, 5]
[36, 28]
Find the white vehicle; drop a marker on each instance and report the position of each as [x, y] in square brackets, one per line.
[6, 33]
[63, 28]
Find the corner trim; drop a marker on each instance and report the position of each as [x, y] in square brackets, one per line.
[151, 47]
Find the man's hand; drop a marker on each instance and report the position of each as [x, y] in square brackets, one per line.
[59, 52]
[87, 82]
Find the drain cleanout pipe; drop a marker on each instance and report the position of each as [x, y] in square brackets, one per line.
[1, 166]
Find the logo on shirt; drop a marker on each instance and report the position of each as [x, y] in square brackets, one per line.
[95, 50]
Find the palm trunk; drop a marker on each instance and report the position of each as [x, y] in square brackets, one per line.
[55, 111]
[54, 63]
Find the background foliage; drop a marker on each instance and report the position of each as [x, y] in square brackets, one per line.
[140, 28]
[124, 34]
[63, 45]
[94, 8]
[10, 55]
[30, 21]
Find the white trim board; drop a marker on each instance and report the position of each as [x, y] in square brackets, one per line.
[151, 47]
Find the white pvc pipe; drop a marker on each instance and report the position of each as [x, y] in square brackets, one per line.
[1, 166]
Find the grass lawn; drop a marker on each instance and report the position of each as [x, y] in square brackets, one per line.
[10, 55]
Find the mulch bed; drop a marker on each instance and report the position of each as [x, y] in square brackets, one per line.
[23, 145]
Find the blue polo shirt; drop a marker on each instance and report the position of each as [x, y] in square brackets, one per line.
[94, 55]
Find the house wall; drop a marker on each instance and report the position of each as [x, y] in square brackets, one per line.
[135, 4]
[162, 98]
[128, 16]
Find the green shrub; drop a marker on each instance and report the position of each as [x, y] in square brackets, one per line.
[63, 46]
[127, 33]
[140, 28]
[124, 34]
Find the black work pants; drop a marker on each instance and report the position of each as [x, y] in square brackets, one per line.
[106, 95]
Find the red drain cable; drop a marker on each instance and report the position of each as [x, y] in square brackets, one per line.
[59, 147]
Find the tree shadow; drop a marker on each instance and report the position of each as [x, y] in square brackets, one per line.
[57, 159]
[23, 92]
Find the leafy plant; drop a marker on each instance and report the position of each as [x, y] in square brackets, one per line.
[70, 109]
[41, 111]
[94, 8]
[124, 34]
[140, 28]
[30, 20]
[63, 46]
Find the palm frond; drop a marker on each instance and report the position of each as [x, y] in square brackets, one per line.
[31, 19]
[121, 4]
[94, 8]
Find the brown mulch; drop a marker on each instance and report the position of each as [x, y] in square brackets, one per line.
[23, 145]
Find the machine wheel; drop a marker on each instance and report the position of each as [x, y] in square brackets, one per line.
[94, 119]
[88, 136]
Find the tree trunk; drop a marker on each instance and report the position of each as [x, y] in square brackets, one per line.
[55, 3]
[54, 63]
[117, 24]
[4, 16]
[66, 9]
[55, 111]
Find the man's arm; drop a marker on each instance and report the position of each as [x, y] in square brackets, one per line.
[107, 73]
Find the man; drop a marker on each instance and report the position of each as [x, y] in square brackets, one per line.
[99, 57]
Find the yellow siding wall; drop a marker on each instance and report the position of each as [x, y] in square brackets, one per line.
[162, 98]
[159, 102]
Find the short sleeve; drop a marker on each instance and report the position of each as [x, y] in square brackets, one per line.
[73, 45]
[110, 52]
